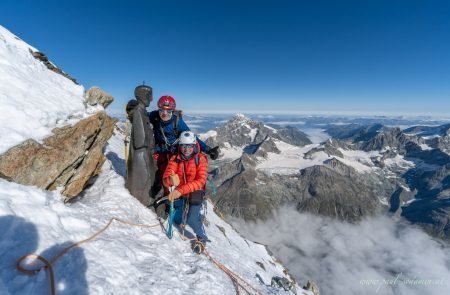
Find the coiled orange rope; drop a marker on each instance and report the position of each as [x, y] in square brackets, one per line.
[238, 282]
[48, 264]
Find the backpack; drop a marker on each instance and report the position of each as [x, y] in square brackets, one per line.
[178, 114]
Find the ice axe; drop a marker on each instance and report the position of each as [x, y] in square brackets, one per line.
[172, 209]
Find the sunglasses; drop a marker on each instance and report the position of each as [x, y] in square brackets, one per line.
[186, 146]
[169, 112]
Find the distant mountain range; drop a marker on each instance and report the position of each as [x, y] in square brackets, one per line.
[361, 170]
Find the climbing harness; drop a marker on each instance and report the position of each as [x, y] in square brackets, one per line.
[167, 146]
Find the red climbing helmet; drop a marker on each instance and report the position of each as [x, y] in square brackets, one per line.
[167, 102]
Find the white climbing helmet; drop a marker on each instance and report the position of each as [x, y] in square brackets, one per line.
[187, 137]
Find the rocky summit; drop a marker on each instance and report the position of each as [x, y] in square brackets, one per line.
[68, 159]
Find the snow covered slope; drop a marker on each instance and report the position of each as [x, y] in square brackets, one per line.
[124, 259]
[33, 99]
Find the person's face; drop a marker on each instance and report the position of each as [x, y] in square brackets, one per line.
[165, 115]
[187, 149]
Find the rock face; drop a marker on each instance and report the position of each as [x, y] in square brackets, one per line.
[330, 147]
[442, 143]
[355, 132]
[431, 209]
[237, 193]
[330, 191]
[67, 159]
[441, 130]
[95, 96]
[393, 138]
[440, 137]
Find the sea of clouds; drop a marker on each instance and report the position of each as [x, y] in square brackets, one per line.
[379, 255]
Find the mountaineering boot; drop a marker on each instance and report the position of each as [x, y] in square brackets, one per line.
[160, 207]
[198, 247]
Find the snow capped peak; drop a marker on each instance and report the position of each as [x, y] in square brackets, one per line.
[33, 99]
[240, 117]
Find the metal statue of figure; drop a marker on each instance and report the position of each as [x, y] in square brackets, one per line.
[140, 164]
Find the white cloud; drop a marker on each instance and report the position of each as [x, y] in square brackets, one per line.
[377, 256]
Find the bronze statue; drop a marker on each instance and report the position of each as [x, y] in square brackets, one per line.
[140, 164]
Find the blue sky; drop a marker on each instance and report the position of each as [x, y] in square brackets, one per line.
[311, 56]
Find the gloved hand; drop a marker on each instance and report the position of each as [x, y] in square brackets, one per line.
[174, 179]
[174, 195]
[131, 105]
[213, 152]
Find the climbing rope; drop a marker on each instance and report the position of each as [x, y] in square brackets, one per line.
[48, 264]
[238, 282]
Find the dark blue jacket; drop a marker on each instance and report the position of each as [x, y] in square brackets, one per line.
[165, 131]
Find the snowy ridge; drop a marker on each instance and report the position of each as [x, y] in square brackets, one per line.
[124, 259]
[34, 99]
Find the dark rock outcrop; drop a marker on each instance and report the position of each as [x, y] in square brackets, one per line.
[44, 59]
[441, 130]
[68, 159]
[431, 209]
[442, 143]
[340, 167]
[292, 136]
[330, 193]
[330, 147]
[318, 190]
[399, 197]
[393, 138]
[355, 132]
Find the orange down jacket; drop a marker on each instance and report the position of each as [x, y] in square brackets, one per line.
[192, 176]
